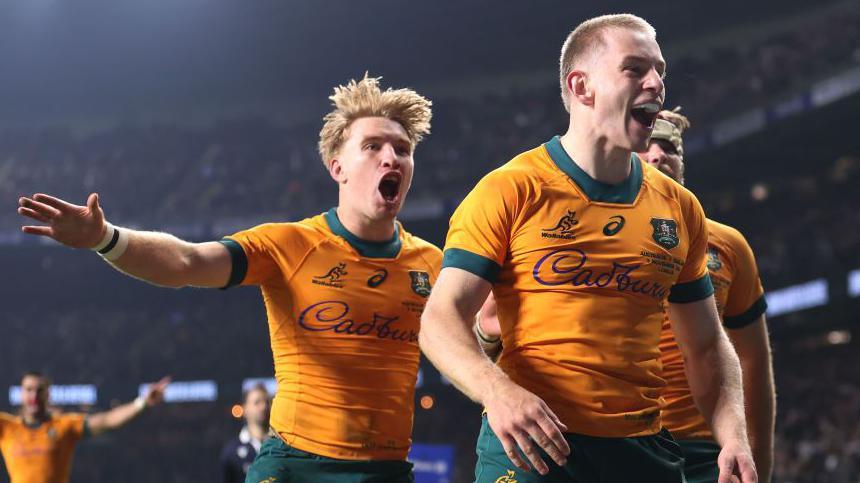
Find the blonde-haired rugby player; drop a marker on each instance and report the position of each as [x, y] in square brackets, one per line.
[343, 290]
[582, 244]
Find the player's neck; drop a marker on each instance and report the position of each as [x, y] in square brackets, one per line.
[258, 431]
[35, 417]
[365, 228]
[606, 164]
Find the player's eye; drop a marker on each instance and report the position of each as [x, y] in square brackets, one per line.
[372, 146]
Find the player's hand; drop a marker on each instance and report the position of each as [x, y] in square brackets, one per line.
[521, 419]
[72, 225]
[736, 464]
[155, 392]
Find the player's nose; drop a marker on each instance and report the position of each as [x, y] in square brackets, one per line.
[389, 157]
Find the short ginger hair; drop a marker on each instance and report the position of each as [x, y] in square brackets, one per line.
[587, 37]
[364, 98]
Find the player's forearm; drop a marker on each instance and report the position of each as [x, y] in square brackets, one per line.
[115, 418]
[753, 348]
[492, 346]
[158, 258]
[448, 341]
[715, 380]
[760, 399]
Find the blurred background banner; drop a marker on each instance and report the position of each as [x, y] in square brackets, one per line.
[433, 463]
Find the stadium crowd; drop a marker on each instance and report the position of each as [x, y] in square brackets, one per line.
[236, 172]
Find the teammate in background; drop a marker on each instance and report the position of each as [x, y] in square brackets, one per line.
[741, 304]
[38, 445]
[238, 454]
[582, 243]
[344, 292]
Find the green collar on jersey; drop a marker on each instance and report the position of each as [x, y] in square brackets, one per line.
[623, 193]
[365, 248]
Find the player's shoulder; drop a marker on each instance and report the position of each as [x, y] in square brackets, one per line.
[6, 418]
[667, 187]
[68, 418]
[525, 173]
[426, 250]
[530, 166]
[728, 236]
[311, 227]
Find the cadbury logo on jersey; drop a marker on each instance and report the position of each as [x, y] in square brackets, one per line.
[665, 232]
[563, 229]
[332, 316]
[332, 278]
[568, 266]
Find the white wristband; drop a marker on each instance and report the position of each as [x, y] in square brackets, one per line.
[105, 239]
[116, 245]
[481, 335]
[140, 403]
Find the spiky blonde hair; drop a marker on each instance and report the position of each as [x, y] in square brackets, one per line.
[365, 99]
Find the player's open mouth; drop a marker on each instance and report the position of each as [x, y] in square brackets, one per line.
[389, 187]
[645, 114]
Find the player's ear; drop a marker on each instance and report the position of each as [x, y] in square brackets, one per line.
[580, 88]
[335, 169]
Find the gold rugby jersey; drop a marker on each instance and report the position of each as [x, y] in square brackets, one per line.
[43, 453]
[740, 301]
[343, 321]
[580, 272]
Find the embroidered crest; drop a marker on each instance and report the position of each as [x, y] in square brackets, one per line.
[420, 283]
[714, 262]
[665, 232]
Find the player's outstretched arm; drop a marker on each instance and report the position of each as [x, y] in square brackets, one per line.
[753, 347]
[517, 417]
[157, 258]
[714, 374]
[100, 422]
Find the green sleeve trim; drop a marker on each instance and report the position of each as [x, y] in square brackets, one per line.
[684, 293]
[238, 260]
[748, 317]
[481, 266]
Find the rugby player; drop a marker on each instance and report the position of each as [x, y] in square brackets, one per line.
[741, 305]
[238, 454]
[582, 244]
[38, 444]
[343, 291]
